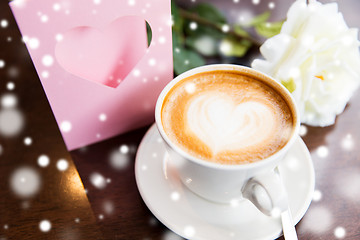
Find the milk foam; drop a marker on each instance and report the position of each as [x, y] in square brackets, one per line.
[226, 117]
[224, 125]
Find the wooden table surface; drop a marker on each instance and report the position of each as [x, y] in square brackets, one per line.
[78, 209]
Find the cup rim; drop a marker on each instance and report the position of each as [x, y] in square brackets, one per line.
[229, 67]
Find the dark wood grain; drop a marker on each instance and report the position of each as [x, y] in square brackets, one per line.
[79, 210]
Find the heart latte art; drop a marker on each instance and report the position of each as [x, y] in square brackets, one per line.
[226, 117]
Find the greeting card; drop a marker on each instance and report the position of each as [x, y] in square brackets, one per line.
[100, 75]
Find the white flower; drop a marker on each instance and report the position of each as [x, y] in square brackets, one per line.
[316, 56]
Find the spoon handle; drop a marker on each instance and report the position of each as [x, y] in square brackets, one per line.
[288, 225]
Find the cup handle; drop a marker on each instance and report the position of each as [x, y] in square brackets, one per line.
[267, 193]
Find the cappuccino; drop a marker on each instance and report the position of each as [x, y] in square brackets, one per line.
[227, 117]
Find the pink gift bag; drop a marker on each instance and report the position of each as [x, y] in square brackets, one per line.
[93, 59]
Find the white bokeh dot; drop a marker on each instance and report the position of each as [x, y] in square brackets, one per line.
[119, 160]
[10, 86]
[108, 207]
[190, 88]
[11, 122]
[294, 72]
[131, 2]
[193, 25]
[43, 160]
[6, 226]
[340, 232]
[65, 126]
[77, 220]
[152, 62]
[153, 221]
[47, 60]
[13, 71]
[62, 164]
[33, 43]
[293, 163]
[233, 202]
[97, 180]
[2, 63]
[25, 38]
[8, 101]
[303, 130]
[175, 196]
[255, 2]
[44, 18]
[28, 141]
[136, 72]
[271, 5]
[59, 37]
[45, 226]
[25, 182]
[97, 2]
[225, 47]
[322, 151]
[19, 3]
[189, 231]
[45, 74]
[4, 23]
[25, 205]
[317, 196]
[124, 149]
[101, 217]
[162, 39]
[102, 117]
[276, 212]
[225, 28]
[347, 143]
[318, 220]
[56, 7]
[348, 184]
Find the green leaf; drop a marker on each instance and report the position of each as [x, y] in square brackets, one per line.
[290, 84]
[268, 30]
[185, 59]
[203, 44]
[208, 11]
[259, 19]
[232, 47]
[177, 39]
[176, 18]
[240, 31]
[148, 33]
[202, 30]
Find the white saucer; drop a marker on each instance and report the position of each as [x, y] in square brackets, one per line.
[193, 217]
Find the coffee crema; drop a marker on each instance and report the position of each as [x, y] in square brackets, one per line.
[226, 117]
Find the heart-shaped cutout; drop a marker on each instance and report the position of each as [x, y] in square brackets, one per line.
[104, 56]
[224, 125]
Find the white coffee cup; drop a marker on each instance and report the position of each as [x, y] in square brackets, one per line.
[258, 182]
